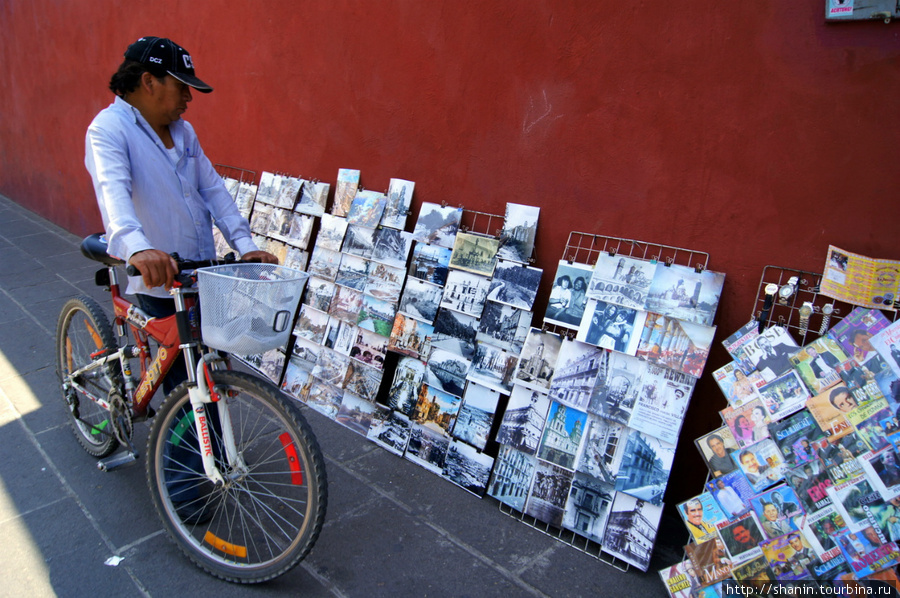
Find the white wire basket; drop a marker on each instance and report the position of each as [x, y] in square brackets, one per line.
[248, 309]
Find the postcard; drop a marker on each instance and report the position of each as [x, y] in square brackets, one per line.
[519, 229]
[396, 209]
[475, 253]
[568, 295]
[621, 280]
[437, 225]
[515, 284]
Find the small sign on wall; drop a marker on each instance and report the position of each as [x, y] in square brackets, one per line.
[858, 10]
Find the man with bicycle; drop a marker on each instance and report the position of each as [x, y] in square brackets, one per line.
[158, 193]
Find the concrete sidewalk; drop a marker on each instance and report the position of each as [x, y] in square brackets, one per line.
[392, 528]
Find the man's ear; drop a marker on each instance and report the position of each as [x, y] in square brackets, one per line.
[147, 81]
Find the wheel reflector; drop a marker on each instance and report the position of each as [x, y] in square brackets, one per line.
[291, 451]
[226, 547]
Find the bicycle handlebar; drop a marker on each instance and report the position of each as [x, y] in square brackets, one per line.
[185, 265]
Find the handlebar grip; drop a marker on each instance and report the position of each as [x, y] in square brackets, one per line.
[132, 271]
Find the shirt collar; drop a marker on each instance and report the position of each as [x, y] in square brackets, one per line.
[176, 128]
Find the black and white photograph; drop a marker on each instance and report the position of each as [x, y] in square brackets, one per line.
[427, 447]
[684, 293]
[465, 292]
[311, 324]
[616, 387]
[455, 332]
[475, 253]
[493, 367]
[295, 258]
[366, 208]
[436, 409]
[392, 247]
[324, 397]
[269, 184]
[568, 295]
[305, 353]
[519, 229]
[410, 337]
[511, 479]
[345, 304]
[644, 466]
[331, 232]
[437, 225]
[600, 450]
[476, 415]
[563, 435]
[271, 363]
[549, 493]
[631, 530]
[538, 359]
[420, 300]
[359, 240]
[331, 367]
[279, 225]
[621, 280]
[377, 315]
[319, 293]
[515, 284]
[447, 371]
[345, 190]
[296, 380]
[611, 326]
[770, 352]
[468, 468]
[524, 419]
[390, 430]
[676, 344]
[355, 413]
[324, 263]
[504, 326]
[301, 230]
[313, 197]
[588, 507]
[430, 263]
[385, 282]
[362, 380]
[340, 335]
[399, 198]
[369, 348]
[577, 368]
[662, 402]
[353, 272]
[259, 219]
[408, 377]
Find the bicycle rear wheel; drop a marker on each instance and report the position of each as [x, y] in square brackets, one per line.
[268, 514]
[82, 331]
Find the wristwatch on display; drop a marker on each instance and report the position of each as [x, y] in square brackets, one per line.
[785, 292]
[770, 291]
[806, 310]
[826, 318]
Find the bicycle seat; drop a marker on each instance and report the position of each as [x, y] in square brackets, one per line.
[95, 248]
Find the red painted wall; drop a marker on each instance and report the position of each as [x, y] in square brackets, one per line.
[750, 130]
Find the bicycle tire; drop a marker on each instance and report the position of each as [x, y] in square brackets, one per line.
[82, 330]
[262, 521]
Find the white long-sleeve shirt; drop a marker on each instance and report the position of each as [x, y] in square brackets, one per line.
[149, 201]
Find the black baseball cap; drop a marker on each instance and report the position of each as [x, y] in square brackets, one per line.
[163, 56]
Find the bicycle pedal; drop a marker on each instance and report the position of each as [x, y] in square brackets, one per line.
[116, 461]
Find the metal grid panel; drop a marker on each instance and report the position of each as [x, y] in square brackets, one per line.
[233, 172]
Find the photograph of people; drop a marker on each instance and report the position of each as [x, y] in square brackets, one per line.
[720, 462]
[696, 524]
[842, 400]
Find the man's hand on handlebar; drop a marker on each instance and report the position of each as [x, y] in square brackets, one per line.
[263, 257]
[157, 268]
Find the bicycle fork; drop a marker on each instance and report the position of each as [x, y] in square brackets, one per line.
[202, 394]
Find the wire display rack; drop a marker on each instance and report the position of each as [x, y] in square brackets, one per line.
[233, 172]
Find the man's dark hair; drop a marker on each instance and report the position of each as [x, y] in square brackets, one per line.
[128, 77]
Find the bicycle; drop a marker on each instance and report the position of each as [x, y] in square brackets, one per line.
[245, 502]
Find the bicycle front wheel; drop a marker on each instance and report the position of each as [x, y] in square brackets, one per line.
[268, 514]
[83, 331]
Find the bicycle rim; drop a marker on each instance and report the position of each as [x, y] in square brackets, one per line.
[268, 514]
[82, 331]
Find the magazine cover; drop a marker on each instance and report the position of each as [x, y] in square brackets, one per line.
[778, 511]
[797, 436]
[810, 481]
[737, 386]
[710, 561]
[568, 298]
[866, 552]
[737, 343]
[644, 467]
[819, 364]
[716, 448]
[676, 344]
[678, 581]
[784, 395]
[829, 409]
[733, 493]
[887, 344]
[756, 569]
[748, 423]
[770, 352]
[621, 280]
[345, 191]
[685, 293]
[789, 556]
[853, 500]
[742, 537]
[762, 463]
[396, 208]
[631, 532]
[702, 516]
[855, 331]
[519, 229]
[437, 225]
[820, 529]
[610, 326]
[662, 402]
[883, 471]
[870, 422]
